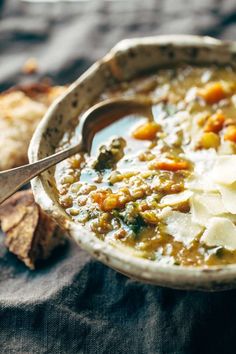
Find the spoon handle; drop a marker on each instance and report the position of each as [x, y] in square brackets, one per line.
[12, 180]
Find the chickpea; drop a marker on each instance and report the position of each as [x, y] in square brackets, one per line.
[66, 201]
[74, 211]
[67, 179]
[111, 202]
[76, 187]
[209, 140]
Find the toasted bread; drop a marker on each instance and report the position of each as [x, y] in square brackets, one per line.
[21, 109]
[30, 234]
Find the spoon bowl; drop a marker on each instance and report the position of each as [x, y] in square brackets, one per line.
[93, 120]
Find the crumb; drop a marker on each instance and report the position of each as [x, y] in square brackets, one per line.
[30, 66]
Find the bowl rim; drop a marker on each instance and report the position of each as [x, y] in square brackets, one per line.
[184, 277]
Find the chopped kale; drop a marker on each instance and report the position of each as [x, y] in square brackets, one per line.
[131, 218]
[109, 155]
[137, 225]
[219, 251]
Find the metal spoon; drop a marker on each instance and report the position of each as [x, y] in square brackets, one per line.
[93, 120]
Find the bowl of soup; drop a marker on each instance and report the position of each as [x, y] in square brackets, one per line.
[155, 197]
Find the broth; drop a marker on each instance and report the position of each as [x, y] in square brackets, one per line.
[147, 185]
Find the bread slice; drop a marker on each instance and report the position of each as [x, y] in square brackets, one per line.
[30, 234]
[21, 109]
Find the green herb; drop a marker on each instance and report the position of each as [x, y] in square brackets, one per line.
[219, 252]
[131, 218]
[137, 225]
[108, 156]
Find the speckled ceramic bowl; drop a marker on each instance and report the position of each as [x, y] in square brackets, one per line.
[125, 61]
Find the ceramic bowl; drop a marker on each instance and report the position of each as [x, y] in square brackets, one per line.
[126, 61]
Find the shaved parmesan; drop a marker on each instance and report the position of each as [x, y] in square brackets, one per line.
[201, 179]
[224, 171]
[175, 199]
[181, 227]
[201, 184]
[203, 160]
[220, 232]
[226, 148]
[165, 212]
[203, 206]
[228, 194]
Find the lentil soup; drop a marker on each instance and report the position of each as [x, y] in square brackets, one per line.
[163, 186]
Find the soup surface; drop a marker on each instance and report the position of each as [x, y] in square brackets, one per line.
[162, 185]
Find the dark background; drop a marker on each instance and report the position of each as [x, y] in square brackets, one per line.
[75, 304]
